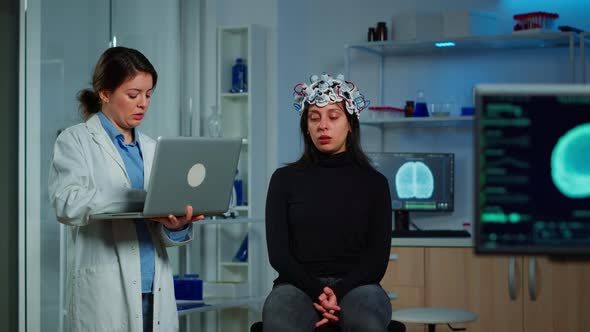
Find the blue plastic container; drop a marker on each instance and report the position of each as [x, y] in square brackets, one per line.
[467, 111]
[239, 77]
[421, 110]
[190, 287]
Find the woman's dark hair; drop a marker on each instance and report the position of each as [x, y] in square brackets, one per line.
[353, 142]
[115, 66]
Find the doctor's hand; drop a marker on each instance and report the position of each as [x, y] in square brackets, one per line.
[328, 307]
[175, 223]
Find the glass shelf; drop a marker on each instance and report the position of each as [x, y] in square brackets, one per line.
[228, 221]
[510, 41]
[463, 121]
[234, 94]
[242, 208]
[234, 264]
[209, 304]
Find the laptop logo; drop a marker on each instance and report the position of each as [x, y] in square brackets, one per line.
[196, 175]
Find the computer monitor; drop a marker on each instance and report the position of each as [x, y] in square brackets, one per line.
[532, 183]
[418, 181]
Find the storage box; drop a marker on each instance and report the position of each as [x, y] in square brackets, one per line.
[535, 21]
[188, 289]
[462, 23]
[417, 26]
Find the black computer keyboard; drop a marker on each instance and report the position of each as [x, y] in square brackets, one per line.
[431, 233]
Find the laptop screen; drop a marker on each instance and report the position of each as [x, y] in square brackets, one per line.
[532, 169]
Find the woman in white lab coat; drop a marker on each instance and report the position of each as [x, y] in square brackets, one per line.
[120, 278]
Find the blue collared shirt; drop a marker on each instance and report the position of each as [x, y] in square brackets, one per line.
[133, 160]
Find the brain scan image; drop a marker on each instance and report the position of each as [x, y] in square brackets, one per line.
[570, 162]
[414, 180]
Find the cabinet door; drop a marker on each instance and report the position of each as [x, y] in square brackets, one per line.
[556, 295]
[405, 268]
[456, 278]
[404, 279]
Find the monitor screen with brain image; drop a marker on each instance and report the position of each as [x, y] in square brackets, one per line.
[418, 181]
[532, 169]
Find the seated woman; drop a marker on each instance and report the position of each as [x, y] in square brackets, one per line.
[328, 221]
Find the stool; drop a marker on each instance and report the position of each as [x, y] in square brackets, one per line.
[433, 316]
[393, 326]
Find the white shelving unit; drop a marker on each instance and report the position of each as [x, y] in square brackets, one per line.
[474, 44]
[462, 45]
[422, 122]
[232, 289]
[444, 134]
[411, 128]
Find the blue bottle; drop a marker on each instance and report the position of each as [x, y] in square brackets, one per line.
[242, 253]
[239, 188]
[238, 76]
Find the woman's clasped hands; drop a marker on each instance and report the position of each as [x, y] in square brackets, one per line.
[327, 306]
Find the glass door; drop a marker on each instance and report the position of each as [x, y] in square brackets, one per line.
[64, 39]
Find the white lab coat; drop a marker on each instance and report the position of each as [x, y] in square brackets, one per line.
[87, 176]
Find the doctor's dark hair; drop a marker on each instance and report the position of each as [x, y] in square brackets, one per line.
[115, 66]
[353, 141]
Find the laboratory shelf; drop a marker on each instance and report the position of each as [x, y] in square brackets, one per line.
[210, 304]
[234, 95]
[509, 41]
[234, 264]
[463, 45]
[463, 121]
[228, 221]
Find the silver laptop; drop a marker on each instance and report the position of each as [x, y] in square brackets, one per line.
[196, 171]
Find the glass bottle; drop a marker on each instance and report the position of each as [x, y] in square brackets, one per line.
[371, 34]
[214, 122]
[409, 108]
[381, 32]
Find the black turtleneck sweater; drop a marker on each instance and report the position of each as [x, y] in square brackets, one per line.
[329, 219]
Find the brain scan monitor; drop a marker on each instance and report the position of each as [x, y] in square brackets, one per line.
[418, 181]
[532, 169]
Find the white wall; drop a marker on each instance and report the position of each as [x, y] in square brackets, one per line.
[312, 35]
[310, 38]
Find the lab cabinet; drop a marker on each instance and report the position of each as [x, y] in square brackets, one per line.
[508, 293]
[232, 287]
